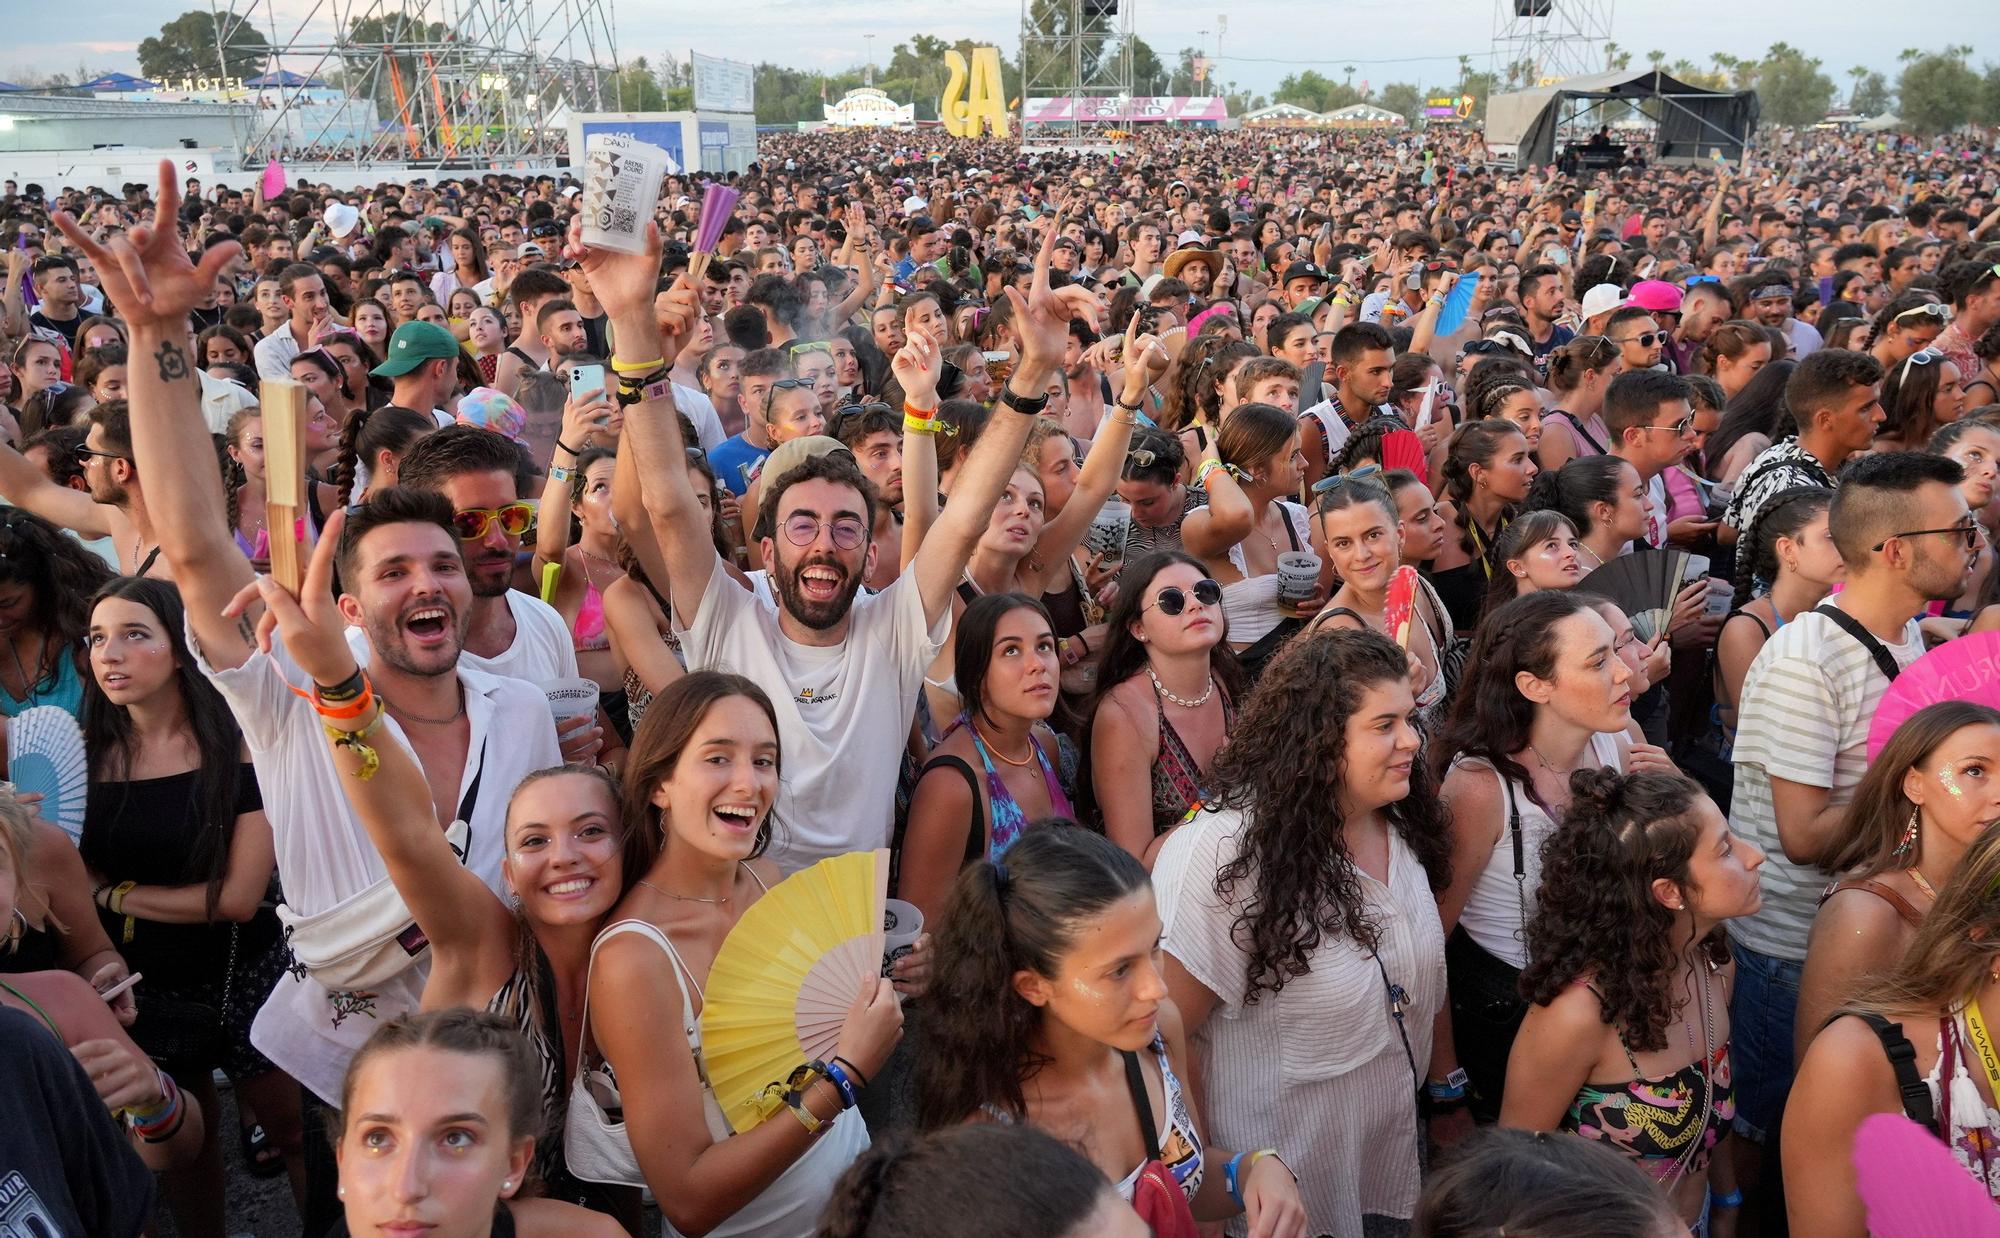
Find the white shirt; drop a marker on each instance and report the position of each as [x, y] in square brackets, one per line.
[1317, 1070]
[1808, 700]
[275, 351]
[542, 648]
[843, 710]
[324, 854]
[700, 410]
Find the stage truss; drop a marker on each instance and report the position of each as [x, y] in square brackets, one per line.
[1549, 40]
[1075, 50]
[430, 83]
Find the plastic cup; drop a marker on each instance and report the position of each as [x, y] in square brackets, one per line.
[902, 924]
[569, 698]
[1298, 578]
[1108, 530]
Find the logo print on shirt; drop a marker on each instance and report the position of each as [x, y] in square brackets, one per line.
[813, 696]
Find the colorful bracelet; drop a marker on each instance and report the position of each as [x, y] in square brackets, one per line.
[1733, 1199]
[920, 425]
[1236, 1172]
[921, 414]
[558, 473]
[357, 742]
[160, 1114]
[347, 711]
[636, 367]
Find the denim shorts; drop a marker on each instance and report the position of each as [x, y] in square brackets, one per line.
[1761, 1016]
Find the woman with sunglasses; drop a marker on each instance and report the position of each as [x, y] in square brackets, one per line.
[1579, 374]
[975, 795]
[1918, 396]
[1909, 323]
[1361, 530]
[1168, 690]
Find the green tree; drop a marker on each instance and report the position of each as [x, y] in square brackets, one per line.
[1402, 98]
[1149, 75]
[1939, 91]
[1791, 89]
[188, 46]
[1686, 70]
[1309, 90]
[638, 88]
[1871, 95]
[1615, 57]
[1989, 96]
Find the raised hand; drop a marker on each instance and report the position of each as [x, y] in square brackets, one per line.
[314, 631]
[918, 365]
[623, 283]
[147, 274]
[1041, 317]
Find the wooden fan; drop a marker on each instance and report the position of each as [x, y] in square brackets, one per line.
[284, 412]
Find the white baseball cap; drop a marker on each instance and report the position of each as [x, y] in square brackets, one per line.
[1599, 299]
[914, 204]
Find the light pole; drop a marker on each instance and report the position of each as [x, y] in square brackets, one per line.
[870, 40]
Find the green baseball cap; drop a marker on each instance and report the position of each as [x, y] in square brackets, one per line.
[413, 344]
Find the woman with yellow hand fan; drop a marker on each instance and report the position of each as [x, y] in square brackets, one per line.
[562, 862]
[700, 785]
[1048, 1006]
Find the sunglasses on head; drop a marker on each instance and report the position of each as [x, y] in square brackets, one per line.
[473, 523]
[1923, 356]
[1173, 599]
[1327, 485]
[1929, 310]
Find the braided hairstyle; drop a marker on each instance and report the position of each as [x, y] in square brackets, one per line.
[1597, 914]
[1730, 339]
[1364, 445]
[1473, 444]
[1784, 514]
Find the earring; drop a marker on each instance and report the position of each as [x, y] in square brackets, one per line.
[340, 1192]
[507, 1185]
[16, 930]
[1908, 844]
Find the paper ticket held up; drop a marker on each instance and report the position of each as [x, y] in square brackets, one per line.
[621, 186]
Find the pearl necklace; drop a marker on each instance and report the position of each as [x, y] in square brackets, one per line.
[1183, 702]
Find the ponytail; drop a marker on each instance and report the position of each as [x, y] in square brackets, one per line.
[1474, 443]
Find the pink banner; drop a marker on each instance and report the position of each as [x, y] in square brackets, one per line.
[1106, 110]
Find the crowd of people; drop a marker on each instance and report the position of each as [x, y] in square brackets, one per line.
[1226, 579]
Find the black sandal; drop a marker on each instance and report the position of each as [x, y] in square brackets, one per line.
[260, 1156]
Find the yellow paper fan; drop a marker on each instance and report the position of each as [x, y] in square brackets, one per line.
[786, 975]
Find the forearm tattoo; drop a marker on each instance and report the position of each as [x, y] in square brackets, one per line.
[172, 361]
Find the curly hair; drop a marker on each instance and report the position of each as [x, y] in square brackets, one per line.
[1597, 915]
[62, 575]
[1020, 915]
[1474, 443]
[1282, 770]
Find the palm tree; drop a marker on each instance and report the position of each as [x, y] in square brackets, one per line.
[1611, 51]
[1464, 71]
[1909, 53]
[1860, 74]
[1656, 59]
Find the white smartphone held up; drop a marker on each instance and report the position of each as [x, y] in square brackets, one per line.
[585, 379]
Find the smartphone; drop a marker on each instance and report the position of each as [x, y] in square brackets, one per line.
[584, 379]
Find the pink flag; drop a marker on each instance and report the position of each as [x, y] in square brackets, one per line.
[274, 180]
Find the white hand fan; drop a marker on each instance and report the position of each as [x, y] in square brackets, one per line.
[45, 756]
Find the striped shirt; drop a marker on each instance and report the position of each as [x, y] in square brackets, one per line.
[1316, 1071]
[1807, 703]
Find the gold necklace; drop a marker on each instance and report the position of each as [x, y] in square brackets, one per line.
[685, 898]
[404, 714]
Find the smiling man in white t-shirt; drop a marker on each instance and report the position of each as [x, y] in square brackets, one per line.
[842, 672]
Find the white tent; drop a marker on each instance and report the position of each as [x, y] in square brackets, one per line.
[1283, 114]
[1366, 116]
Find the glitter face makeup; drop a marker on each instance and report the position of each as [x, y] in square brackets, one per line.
[1949, 783]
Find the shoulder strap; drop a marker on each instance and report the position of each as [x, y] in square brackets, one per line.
[1331, 611]
[1136, 1081]
[1910, 915]
[1917, 1103]
[1753, 617]
[975, 833]
[647, 930]
[1853, 627]
[1577, 427]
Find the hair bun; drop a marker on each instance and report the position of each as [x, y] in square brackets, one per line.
[1597, 791]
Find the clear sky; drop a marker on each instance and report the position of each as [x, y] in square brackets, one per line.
[1385, 40]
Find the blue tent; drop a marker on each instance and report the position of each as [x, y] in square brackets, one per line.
[118, 82]
[8, 88]
[284, 78]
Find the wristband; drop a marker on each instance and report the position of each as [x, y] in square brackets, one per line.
[1236, 1171]
[562, 446]
[636, 367]
[349, 711]
[346, 690]
[852, 1070]
[117, 900]
[97, 892]
[920, 425]
[628, 395]
[357, 741]
[1733, 1199]
[1030, 406]
[850, 1096]
[921, 414]
[558, 473]
[1452, 1086]
[1130, 408]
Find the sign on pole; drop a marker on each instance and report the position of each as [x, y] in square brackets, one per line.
[723, 85]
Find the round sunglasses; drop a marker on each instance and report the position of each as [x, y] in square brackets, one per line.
[1173, 599]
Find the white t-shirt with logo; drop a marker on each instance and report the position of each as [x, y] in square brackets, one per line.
[843, 710]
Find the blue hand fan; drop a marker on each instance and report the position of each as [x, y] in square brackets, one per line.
[45, 757]
[1457, 303]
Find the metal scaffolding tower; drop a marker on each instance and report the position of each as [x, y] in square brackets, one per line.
[1076, 50]
[1537, 42]
[429, 83]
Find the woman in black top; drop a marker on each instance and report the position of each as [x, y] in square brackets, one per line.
[181, 857]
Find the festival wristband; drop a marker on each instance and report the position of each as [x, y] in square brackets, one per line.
[116, 901]
[920, 425]
[850, 1096]
[921, 414]
[1733, 1199]
[636, 367]
[558, 473]
[346, 690]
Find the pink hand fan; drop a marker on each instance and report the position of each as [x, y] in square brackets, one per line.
[1965, 669]
[1401, 604]
[1912, 1186]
